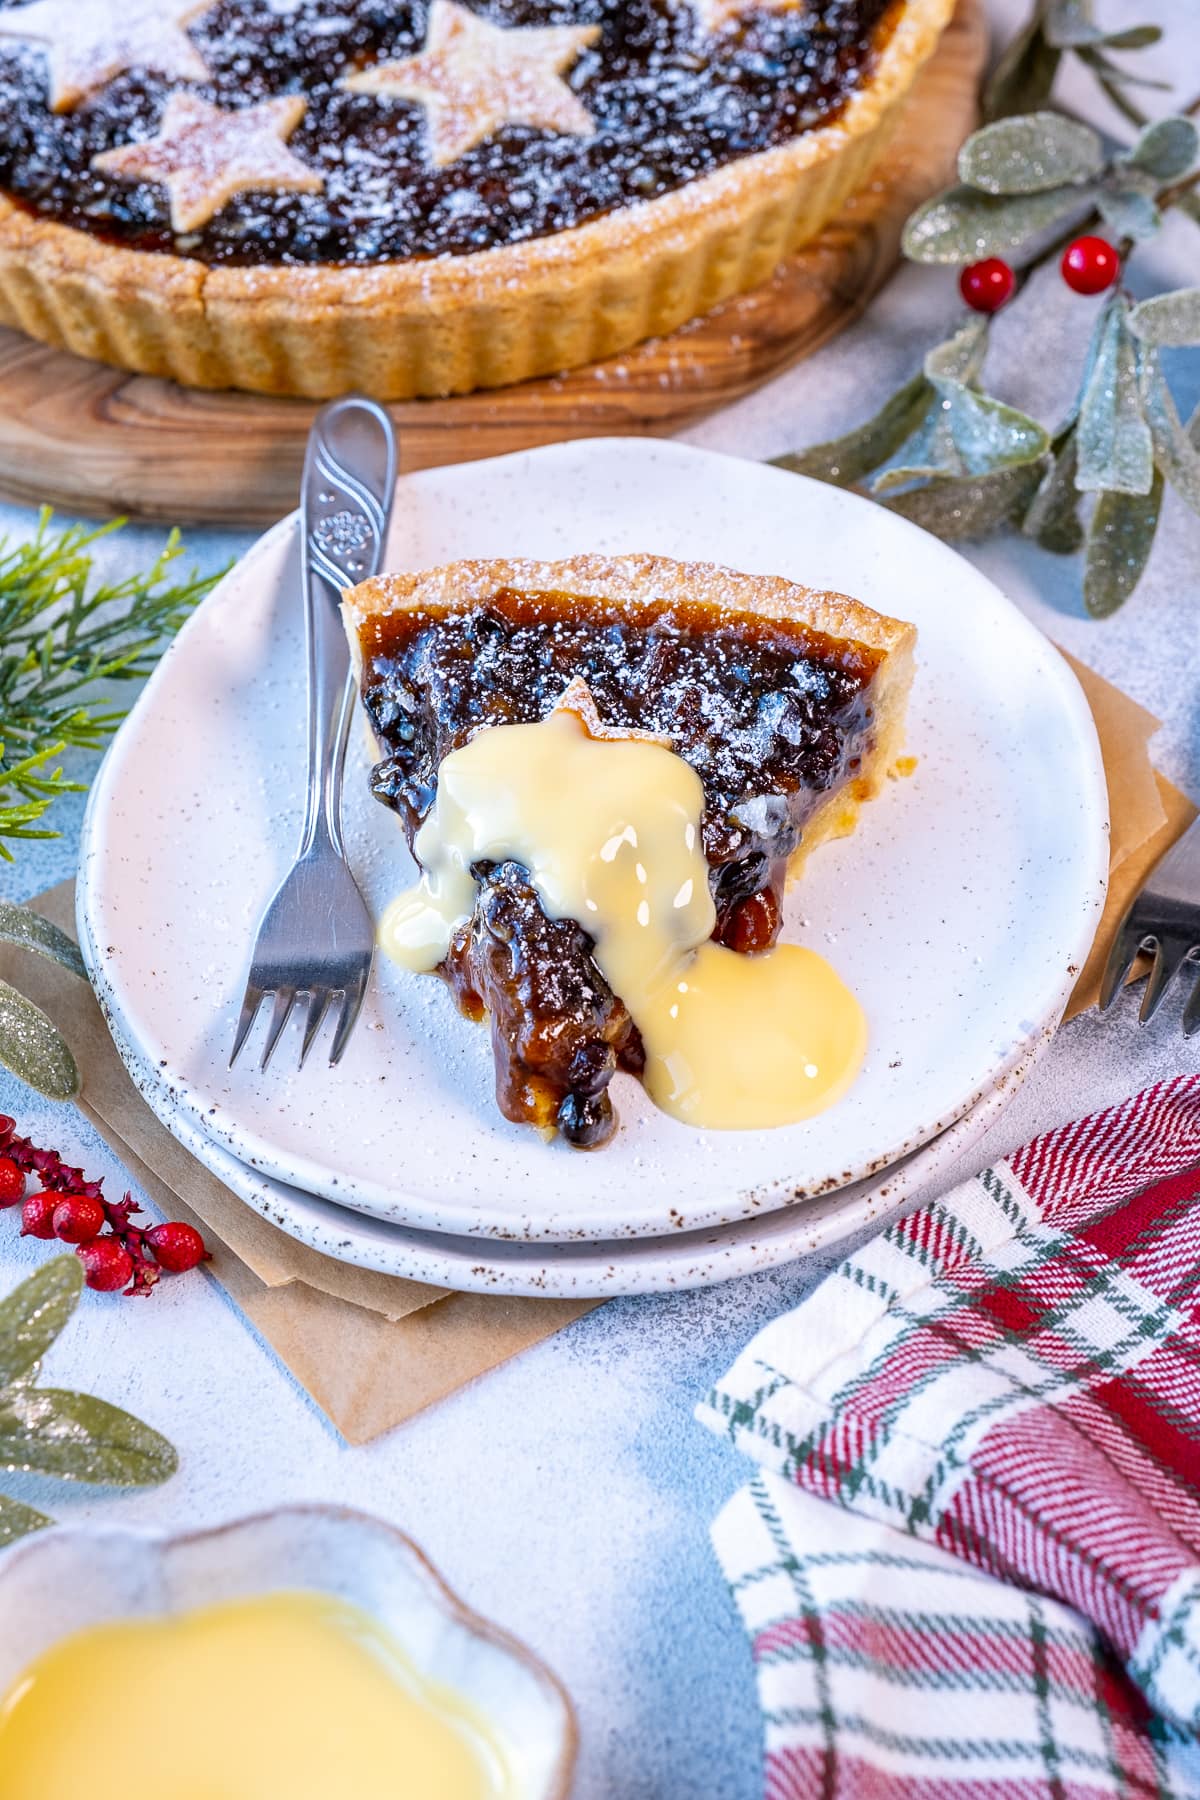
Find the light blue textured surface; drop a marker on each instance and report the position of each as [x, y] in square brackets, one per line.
[568, 1495]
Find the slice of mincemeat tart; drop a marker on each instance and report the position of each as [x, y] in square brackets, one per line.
[786, 705]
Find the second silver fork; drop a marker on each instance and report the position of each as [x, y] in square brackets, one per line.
[316, 940]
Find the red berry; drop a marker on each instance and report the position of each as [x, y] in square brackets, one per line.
[78, 1219]
[177, 1248]
[987, 286]
[107, 1265]
[12, 1182]
[37, 1215]
[7, 1127]
[1090, 265]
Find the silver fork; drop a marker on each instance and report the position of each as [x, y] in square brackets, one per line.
[316, 938]
[1165, 920]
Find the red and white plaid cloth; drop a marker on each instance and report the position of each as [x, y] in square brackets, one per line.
[1004, 1384]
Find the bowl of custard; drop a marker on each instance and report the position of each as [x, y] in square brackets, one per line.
[310, 1653]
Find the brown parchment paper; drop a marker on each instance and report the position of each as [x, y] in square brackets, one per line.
[373, 1349]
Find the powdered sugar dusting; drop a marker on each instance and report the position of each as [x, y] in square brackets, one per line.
[670, 103]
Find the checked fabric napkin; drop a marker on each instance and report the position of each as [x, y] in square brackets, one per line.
[970, 1562]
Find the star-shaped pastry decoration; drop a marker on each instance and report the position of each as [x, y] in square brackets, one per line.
[204, 155]
[473, 78]
[90, 42]
[577, 698]
[714, 15]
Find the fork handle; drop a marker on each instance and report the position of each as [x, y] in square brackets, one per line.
[349, 476]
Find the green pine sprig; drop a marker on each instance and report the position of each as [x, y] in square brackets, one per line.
[63, 635]
[951, 457]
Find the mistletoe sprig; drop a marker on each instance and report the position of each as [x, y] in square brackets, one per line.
[958, 461]
[1060, 29]
[54, 1431]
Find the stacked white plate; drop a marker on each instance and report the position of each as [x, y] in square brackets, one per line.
[959, 911]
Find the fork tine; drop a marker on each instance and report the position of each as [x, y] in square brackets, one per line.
[285, 999]
[1169, 957]
[1121, 959]
[250, 1005]
[318, 1000]
[352, 1000]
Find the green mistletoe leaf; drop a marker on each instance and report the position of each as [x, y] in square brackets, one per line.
[1168, 321]
[34, 1049]
[1070, 26]
[1128, 211]
[1120, 539]
[1029, 154]
[962, 225]
[1024, 75]
[1053, 516]
[930, 452]
[986, 435]
[966, 507]
[17, 1521]
[34, 1314]
[990, 436]
[1166, 149]
[1112, 76]
[49, 1431]
[1175, 447]
[847, 460]
[961, 357]
[29, 931]
[1116, 452]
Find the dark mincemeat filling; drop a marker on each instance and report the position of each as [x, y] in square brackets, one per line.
[669, 105]
[769, 715]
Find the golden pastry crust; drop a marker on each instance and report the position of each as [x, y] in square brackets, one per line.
[635, 580]
[451, 324]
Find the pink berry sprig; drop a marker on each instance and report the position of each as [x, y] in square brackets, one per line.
[115, 1253]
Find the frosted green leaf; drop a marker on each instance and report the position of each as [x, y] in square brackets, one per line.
[1069, 23]
[968, 507]
[1137, 37]
[962, 225]
[34, 1049]
[1030, 153]
[1175, 448]
[17, 1521]
[931, 452]
[1070, 26]
[1166, 149]
[1168, 321]
[1116, 453]
[990, 436]
[48, 1431]
[1119, 542]
[1024, 75]
[18, 925]
[847, 460]
[1115, 76]
[1053, 516]
[1128, 212]
[961, 357]
[34, 1314]
[986, 435]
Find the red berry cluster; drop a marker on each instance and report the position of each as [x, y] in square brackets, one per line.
[1089, 265]
[115, 1253]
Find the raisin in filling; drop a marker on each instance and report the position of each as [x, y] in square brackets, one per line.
[669, 105]
[769, 714]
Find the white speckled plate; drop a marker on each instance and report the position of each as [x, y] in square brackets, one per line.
[959, 910]
[596, 1269]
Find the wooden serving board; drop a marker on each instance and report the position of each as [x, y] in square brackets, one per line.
[96, 440]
